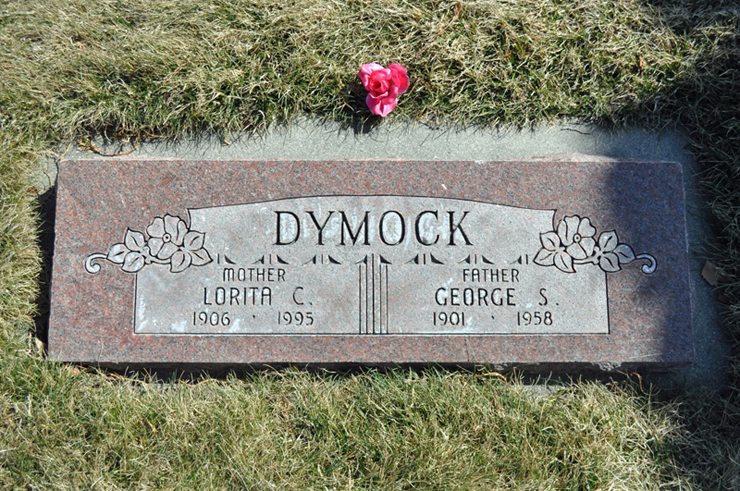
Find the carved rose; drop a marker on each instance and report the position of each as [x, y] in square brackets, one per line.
[166, 235]
[574, 243]
[573, 240]
[170, 242]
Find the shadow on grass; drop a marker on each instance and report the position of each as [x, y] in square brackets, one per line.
[355, 114]
[47, 218]
[705, 98]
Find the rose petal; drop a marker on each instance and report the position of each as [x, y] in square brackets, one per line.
[379, 81]
[156, 229]
[167, 250]
[365, 72]
[155, 245]
[380, 106]
[387, 106]
[372, 104]
[400, 77]
[588, 245]
[585, 229]
[568, 228]
[170, 224]
[182, 230]
[576, 251]
[380, 88]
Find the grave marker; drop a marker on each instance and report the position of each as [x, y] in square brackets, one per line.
[555, 263]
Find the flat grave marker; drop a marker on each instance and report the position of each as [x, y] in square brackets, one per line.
[556, 264]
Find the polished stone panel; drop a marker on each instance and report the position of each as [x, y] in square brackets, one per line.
[556, 263]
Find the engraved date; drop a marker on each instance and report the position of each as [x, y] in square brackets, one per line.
[295, 318]
[211, 319]
[449, 318]
[535, 318]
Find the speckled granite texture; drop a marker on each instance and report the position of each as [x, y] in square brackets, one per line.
[92, 316]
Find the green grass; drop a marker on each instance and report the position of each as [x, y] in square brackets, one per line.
[70, 69]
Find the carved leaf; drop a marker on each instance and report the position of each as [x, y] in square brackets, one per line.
[193, 240]
[134, 240]
[624, 253]
[564, 262]
[117, 253]
[550, 241]
[609, 262]
[200, 257]
[608, 241]
[545, 258]
[134, 262]
[180, 261]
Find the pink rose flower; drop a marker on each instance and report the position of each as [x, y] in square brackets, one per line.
[384, 85]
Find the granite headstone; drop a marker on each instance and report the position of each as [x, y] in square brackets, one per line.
[551, 264]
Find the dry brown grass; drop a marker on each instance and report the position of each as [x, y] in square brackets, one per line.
[294, 430]
[158, 67]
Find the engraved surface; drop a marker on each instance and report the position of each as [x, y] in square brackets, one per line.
[371, 265]
[170, 262]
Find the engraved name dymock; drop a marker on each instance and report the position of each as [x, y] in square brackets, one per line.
[288, 227]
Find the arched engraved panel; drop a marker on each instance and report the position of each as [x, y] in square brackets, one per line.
[370, 265]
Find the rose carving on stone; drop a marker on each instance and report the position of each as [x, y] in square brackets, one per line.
[170, 242]
[573, 243]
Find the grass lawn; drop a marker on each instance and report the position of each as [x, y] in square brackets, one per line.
[146, 68]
